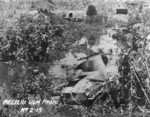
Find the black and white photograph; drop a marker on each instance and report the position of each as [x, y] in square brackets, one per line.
[75, 58]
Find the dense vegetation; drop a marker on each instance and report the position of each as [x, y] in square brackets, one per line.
[30, 46]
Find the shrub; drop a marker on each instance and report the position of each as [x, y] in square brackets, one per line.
[133, 66]
[36, 40]
[99, 19]
[30, 47]
[91, 11]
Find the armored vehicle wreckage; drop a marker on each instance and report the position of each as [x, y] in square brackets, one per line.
[86, 87]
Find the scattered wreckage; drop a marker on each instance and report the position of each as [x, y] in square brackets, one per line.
[90, 84]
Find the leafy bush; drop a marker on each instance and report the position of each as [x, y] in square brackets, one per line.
[133, 69]
[135, 18]
[91, 11]
[97, 19]
[36, 40]
[146, 17]
[28, 48]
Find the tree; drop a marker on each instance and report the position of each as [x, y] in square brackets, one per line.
[91, 11]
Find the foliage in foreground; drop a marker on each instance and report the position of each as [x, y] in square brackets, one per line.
[134, 69]
[28, 49]
[42, 41]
